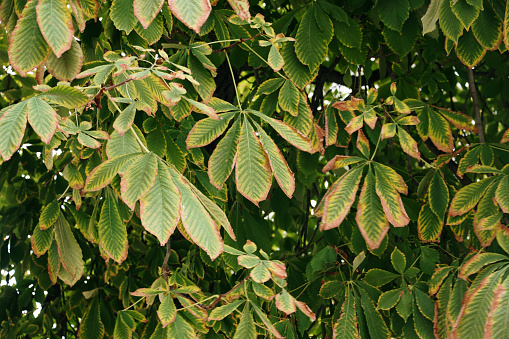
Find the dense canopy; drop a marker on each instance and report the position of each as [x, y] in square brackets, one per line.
[243, 169]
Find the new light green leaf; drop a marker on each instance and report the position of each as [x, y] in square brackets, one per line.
[27, 48]
[282, 172]
[91, 326]
[122, 15]
[68, 65]
[55, 23]
[12, 128]
[197, 222]
[160, 207]
[68, 249]
[139, 177]
[311, 46]
[252, 170]
[66, 96]
[222, 160]
[167, 312]
[125, 119]
[193, 13]
[104, 173]
[146, 10]
[43, 119]
[207, 130]
[112, 230]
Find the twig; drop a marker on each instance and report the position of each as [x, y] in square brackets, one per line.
[164, 268]
[221, 296]
[303, 230]
[475, 101]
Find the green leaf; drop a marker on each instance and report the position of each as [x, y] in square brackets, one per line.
[41, 240]
[122, 15]
[104, 173]
[497, 322]
[275, 60]
[12, 128]
[221, 312]
[349, 33]
[429, 225]
[124, 326]
[49, 215]
[68, 249]
[408, 144]
[180, 329]
[289, 98]
[91, 326]
[370, 216]
[425, 304]
[146, 10]
[160, 207]
[346, 326]
[376, 325]
[377, 277]
[393, 13]
[430, 19]
[405, 305]
[465, 12]
[340, 198]
[284, 176]
[478, 261]
[438, 195]
[468, 49]
[260, 273]
[252, 170]
[68, 65]
[112, 230]
[246, 328]
[27, 49]
[298, 72]
[389, 299]
[66, 96]
[167, 312]
[468, 196]
[55, 23]
[198, 224]
[487, 28]
[207, 85]
[43, 119]
[193, 13]
[125, 119]
[222, 160]
[207, 130]
[402, 42]
[398, 260]
[139, 177]
[153, 32]
[270, 86]
[311, 45]
[262, 291]
[272, 329]
[448, 21]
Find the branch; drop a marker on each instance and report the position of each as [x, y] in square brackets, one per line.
[164, 268]
[221, 296]
[475, 101]
[241, 40]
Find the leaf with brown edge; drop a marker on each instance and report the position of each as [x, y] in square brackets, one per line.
[478, 261]
[277, 268]
[429, 225]
[285, 302]
[355, 124]
[505, 137]
[408, 144]
[502, 194]
[438, 195]
[347, 326]
[223, 158]
[43, 119]
[388, 130]
[41, 240]
[55, 23]
[253, 174]
[438, 278]
[146, 10]
[105, 172]
[370, 216]
[305, 309]
[468, 196]
[388, 184]
[459, 120]
[207, 130]
[340, 161]
[440, 132]
[138, 178]
[340, 198]
[289, 98]
[193, 13]
[12, 128]
[68, 65]
[497, 321]
[282, 172]
[112, 230]
[363, 144]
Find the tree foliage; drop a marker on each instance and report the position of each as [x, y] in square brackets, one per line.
[243, 169]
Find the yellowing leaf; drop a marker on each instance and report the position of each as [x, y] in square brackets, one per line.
[138, 178]
[125, 119]
[408, 144]
[146, 11]
[122, 15]
[68, 249]
[68, 65]
[340, 161]
[112, 230]
[104, 173]
[160, 207]
[363, 144]
[311, 46]
[193, 13]
[468, 196]
[502, 194]
[285, 302]
[41, 240]
[252, 170]
[289, 98]
[55, 23]
[346, 326]
[167, 312]
[429, 225]
[246, 328]
[438, 195]
[91, 325]
[223, 158]
[43, 119]
[207, 130]
[440, 132]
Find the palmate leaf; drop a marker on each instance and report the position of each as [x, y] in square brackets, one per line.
[376, 325]
[197, 222]
[468, 49]
[91, 326]
[478, 261]
[153, 32]
[66, 96]
[122, 15]
[43, 119]
[104, 173]
[146, 10]
[468, 196]
[49, 215]
[370, 216]
[388, 186]
[222, 312]
[27, 49]
[311, 45]
[285, 302]
[112, 230]
[465, 12]
[340, 198]
[289, 98]
[282, 172]
[438, 195]
[408, 144]
[68, 65]
[346, 326]
[125, 119]
[12, 128]
[223, 158]
[487, 28]
[294, 68]
[439, 131]
[252, 169]
[498, 319]
[55, 23]
[502, 194]
[207, 130]
[138, 178]
[167, 312]
[160, 207]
